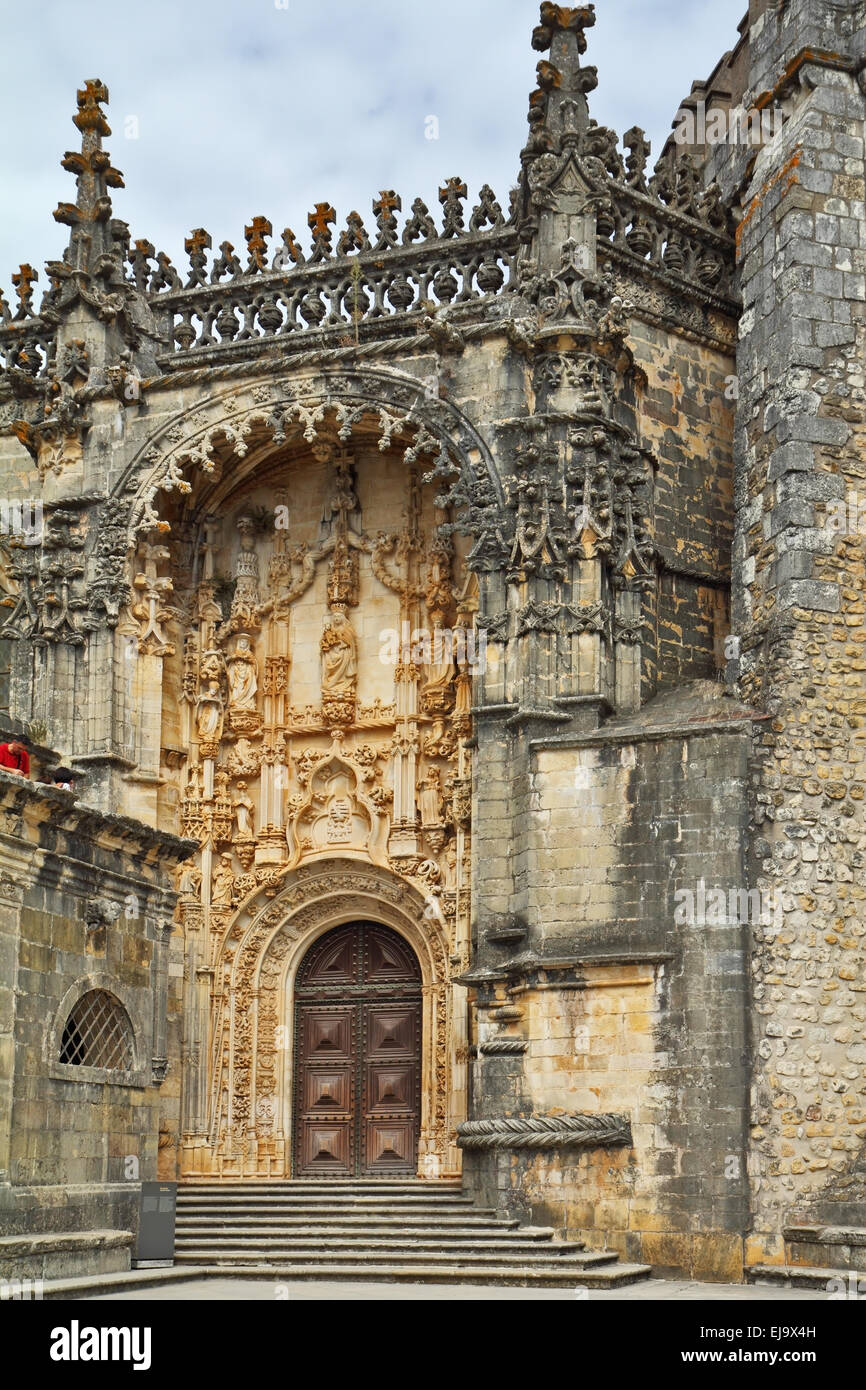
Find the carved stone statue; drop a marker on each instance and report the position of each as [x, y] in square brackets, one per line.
[430, 798]
[243, 676]
[223, 883]
[244, 812]
[339, 668]
[242, 671]
[188, 880]
[209, 719]
[339, 656]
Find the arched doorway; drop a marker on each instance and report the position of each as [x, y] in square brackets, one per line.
[357, 1055]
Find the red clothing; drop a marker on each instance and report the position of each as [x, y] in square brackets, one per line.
[20, 761]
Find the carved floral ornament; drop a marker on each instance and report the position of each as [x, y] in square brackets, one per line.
[254, 961]
[330, 407]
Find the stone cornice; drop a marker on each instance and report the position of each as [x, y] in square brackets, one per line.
[31, 808]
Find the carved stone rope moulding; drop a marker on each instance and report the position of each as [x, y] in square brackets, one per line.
[547, 1132]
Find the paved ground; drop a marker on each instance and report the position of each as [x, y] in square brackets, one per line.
[664, 1290]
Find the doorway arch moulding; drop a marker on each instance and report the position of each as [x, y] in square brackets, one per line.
[395, 404]
[249, 1126]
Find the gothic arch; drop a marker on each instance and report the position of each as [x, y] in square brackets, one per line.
[250, 1124]
[443, 437]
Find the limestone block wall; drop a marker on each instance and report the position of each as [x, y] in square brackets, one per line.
[85, 904]
[625, 1009]
[799, 606]
[686, 419]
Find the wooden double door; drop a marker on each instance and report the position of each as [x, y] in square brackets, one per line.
[357, 1054]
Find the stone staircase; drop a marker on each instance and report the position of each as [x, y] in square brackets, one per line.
[416, 1232]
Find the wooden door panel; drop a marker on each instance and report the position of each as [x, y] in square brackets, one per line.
[388, 960]
[390, 1090]
[328, 1034]
[357, 1054]
[391, 1146]
[328, 1090]
[327, 1147]
[391, 1031]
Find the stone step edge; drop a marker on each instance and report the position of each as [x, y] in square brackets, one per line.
[347, 1199]
[143, 1279]
[608, 1275]
[213, 1221]
[455, 1260]
[429, 1190]
[362, 1200]
[306, 1250]
[50, 1242]
[809, 1275]
[381, 1237]
[326, 1180]
[825, 1235]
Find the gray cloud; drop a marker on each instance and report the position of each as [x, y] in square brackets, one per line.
[243, 108]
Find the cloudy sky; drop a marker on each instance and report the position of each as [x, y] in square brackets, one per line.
[223, 111]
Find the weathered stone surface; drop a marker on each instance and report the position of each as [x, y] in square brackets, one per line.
[621, 829]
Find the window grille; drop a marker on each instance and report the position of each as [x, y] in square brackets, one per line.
[98, 1033]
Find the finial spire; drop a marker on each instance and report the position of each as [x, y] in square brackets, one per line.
[93, 271]
[559, 105]
[89, 215]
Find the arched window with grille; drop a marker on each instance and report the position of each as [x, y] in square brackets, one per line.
[98, 1033]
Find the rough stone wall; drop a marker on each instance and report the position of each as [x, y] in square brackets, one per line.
[624, 1009]
[799, 608]
[686, 416]
[84, 904]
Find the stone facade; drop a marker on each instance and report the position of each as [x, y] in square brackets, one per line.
[394, 572]
[87, 905]
[799, 607]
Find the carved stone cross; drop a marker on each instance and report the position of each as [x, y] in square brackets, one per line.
[196, 244]
[257, 234]
[384, 209]
[450, 196]
[320, 222]
[23, 283]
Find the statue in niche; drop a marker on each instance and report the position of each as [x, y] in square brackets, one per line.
[244, 811]
[223, 883]
[242, 671]
[451, 864]
[436, 695]
[430, 797]
[243, 676]
[188, 880]
[209, 718]
[339, 667]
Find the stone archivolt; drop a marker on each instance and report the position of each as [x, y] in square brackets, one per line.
[276, 781]
[246, 1126]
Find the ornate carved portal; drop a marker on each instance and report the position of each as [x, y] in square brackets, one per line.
[316, 714]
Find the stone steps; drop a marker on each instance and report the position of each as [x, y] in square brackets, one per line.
[421, 1233]
[847, 1283]
[300, 1221]
[374, 1256]
[842, 1248]
[359, 1233]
